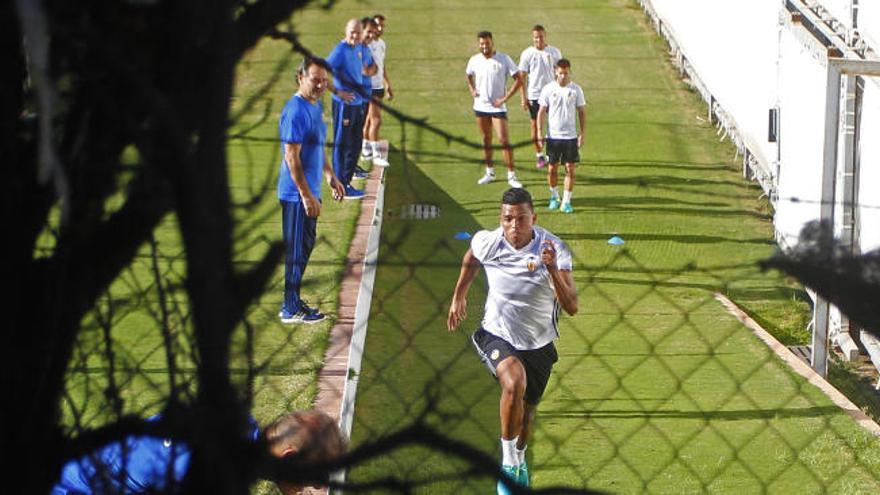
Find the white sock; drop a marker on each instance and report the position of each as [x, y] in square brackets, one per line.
[566, 197]
[508, 452]
[365, 146]
[538, 154]
[490, 171]
[510, 175]
[521, 455]
[375, 147]
[554, 193]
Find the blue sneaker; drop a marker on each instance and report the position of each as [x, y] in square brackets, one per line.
[289, 318]
[523, 478]
[352, 193]
[566, 208]
[554, 204]
[511, 476]
[304, 315]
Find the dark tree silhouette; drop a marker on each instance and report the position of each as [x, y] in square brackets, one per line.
[82, 83]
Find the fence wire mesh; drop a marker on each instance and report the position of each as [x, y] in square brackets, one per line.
[658, 387]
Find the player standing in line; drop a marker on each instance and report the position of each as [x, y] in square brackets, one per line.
[537, 63]
[381, 86]
[349, 67]
[368, 32]
[529, 275]
[487, 73]
[304, 165]
[559, 101]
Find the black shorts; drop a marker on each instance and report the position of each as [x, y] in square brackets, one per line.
[562, 150]
[494, 115]
[533, 109]
[378, 93]
[537, 362]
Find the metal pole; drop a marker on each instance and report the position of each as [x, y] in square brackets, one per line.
[819, 356]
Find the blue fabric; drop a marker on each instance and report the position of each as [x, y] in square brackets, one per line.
[143, 468]
[302, 123]
[348, 135]
[347, 64]
[367, 81]
[298, 231]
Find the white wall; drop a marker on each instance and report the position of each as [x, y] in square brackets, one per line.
[869, 195]
[749, 61]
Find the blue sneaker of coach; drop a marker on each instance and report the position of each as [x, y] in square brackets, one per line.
[289, 318]
[566, 208]
[554, 204]
[352, 193]
[511, 476]
[305, 315]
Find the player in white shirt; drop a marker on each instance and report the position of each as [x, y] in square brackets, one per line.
[381, 89]
[487, 74]
[537, 64]
[560, 101]
[529, 274]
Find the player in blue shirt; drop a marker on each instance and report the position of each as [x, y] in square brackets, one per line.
[349, 62]
[147, 464]
[303, 135]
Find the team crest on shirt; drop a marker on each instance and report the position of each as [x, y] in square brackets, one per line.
[531, 264]
[495, 354]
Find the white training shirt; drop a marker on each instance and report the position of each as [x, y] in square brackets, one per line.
[540, 65]
[490, 79]
[562, 104]
[377, 49]
[521, 306]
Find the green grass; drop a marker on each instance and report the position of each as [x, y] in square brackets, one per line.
[284, 360]
[657, 388]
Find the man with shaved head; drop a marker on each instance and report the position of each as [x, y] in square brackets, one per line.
[350, 61]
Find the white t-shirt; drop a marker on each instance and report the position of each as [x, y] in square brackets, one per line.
[521, 306]
[540, 65]
[490, 79]
[562, 104]
[377, 49]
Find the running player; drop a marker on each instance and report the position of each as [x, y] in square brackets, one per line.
[529, 274]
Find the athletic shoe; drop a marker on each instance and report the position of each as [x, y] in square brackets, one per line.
[566, 208]
[360, 173]
[380, 162]
[554, 204]
[523, 478]
[289, 318]
[352, 193]
[304, 306]
[512, 182]
[541, 162]
[305, 315]
[512, 476]
[366, 154]
[489, 177]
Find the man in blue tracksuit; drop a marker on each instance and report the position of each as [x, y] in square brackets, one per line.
[349, 63]
[303, 134]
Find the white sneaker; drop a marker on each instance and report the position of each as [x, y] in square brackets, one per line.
[489, 177]
[380, 162]
[514, 183]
